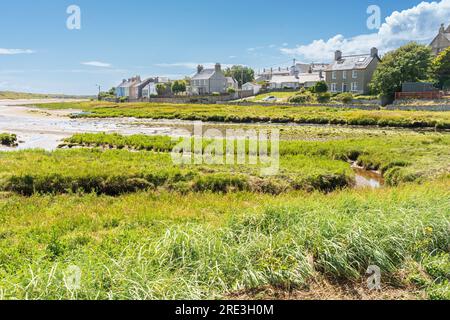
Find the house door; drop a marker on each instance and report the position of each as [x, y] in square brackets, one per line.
[344, 87]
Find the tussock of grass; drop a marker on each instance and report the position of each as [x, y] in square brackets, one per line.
[276, 114]
[7, 139]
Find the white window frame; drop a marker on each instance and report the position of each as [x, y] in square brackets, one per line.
[333, 75]
[344, 75]
[333, 87]
[354, 87]
[354, 74]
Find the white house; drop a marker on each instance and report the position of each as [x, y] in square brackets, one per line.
[282, 82]
[232, 83]
[150, 89]
[249, 86]
[308, 80]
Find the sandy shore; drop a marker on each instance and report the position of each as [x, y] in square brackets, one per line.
[20, 102]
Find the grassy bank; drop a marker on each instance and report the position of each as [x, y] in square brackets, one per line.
[276, 114]
[115, 172]
[150, 246]
[401, 158]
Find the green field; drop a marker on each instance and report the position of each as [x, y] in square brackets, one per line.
[137, 226]
[275, 114]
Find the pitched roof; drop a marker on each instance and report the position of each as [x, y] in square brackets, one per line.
[309, 77]
[360, 62]
[283, 79]
[252, 84]
[205, 74]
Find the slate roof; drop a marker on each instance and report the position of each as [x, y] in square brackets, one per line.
[284, 79]
[358, 62]
[205, 74]
[309, 77]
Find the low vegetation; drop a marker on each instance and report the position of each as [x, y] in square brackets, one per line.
[115, 172]
[135, 226]
[401, 158]
[166, 246]
[275, 114]
[7, 139]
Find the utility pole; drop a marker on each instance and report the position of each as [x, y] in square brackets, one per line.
[99, 90]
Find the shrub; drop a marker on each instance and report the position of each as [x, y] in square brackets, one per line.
[302, 97]
[320, 87]
[231, 90]
[7, 139]
[345, 97]
[324, 97]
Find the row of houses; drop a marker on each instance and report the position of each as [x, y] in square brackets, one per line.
[347, 73]
[351, 73]
[135, 88]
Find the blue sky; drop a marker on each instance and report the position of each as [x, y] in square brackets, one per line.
[170, 37]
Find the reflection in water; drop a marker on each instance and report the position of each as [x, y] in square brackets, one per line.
[368, 179]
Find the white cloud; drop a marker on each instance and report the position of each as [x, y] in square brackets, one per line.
[97, 64]
[420, 23]
[4, 51]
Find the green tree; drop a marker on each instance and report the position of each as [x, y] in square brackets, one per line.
[441, 69]
[320, 87]
[410, 63]
[241, 73]
[161, 89]
[178, 86]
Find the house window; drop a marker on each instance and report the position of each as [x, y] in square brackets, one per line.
[344, 75]
[355, 74]
[333, 75]
[354, 86]
[333, 87]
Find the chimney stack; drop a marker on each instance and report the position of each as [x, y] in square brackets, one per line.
[442, 28]
[199, 68]
[338, 55]
[374, 52]
[218, 67]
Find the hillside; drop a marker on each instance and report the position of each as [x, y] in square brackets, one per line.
[23, 95]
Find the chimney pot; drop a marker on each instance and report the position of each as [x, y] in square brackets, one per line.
[374, 52]
[338, 55]
[199, 68]
[218, 67]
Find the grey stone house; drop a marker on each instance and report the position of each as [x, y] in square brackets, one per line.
[352, 73]
[441, 41]
[208, 81]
